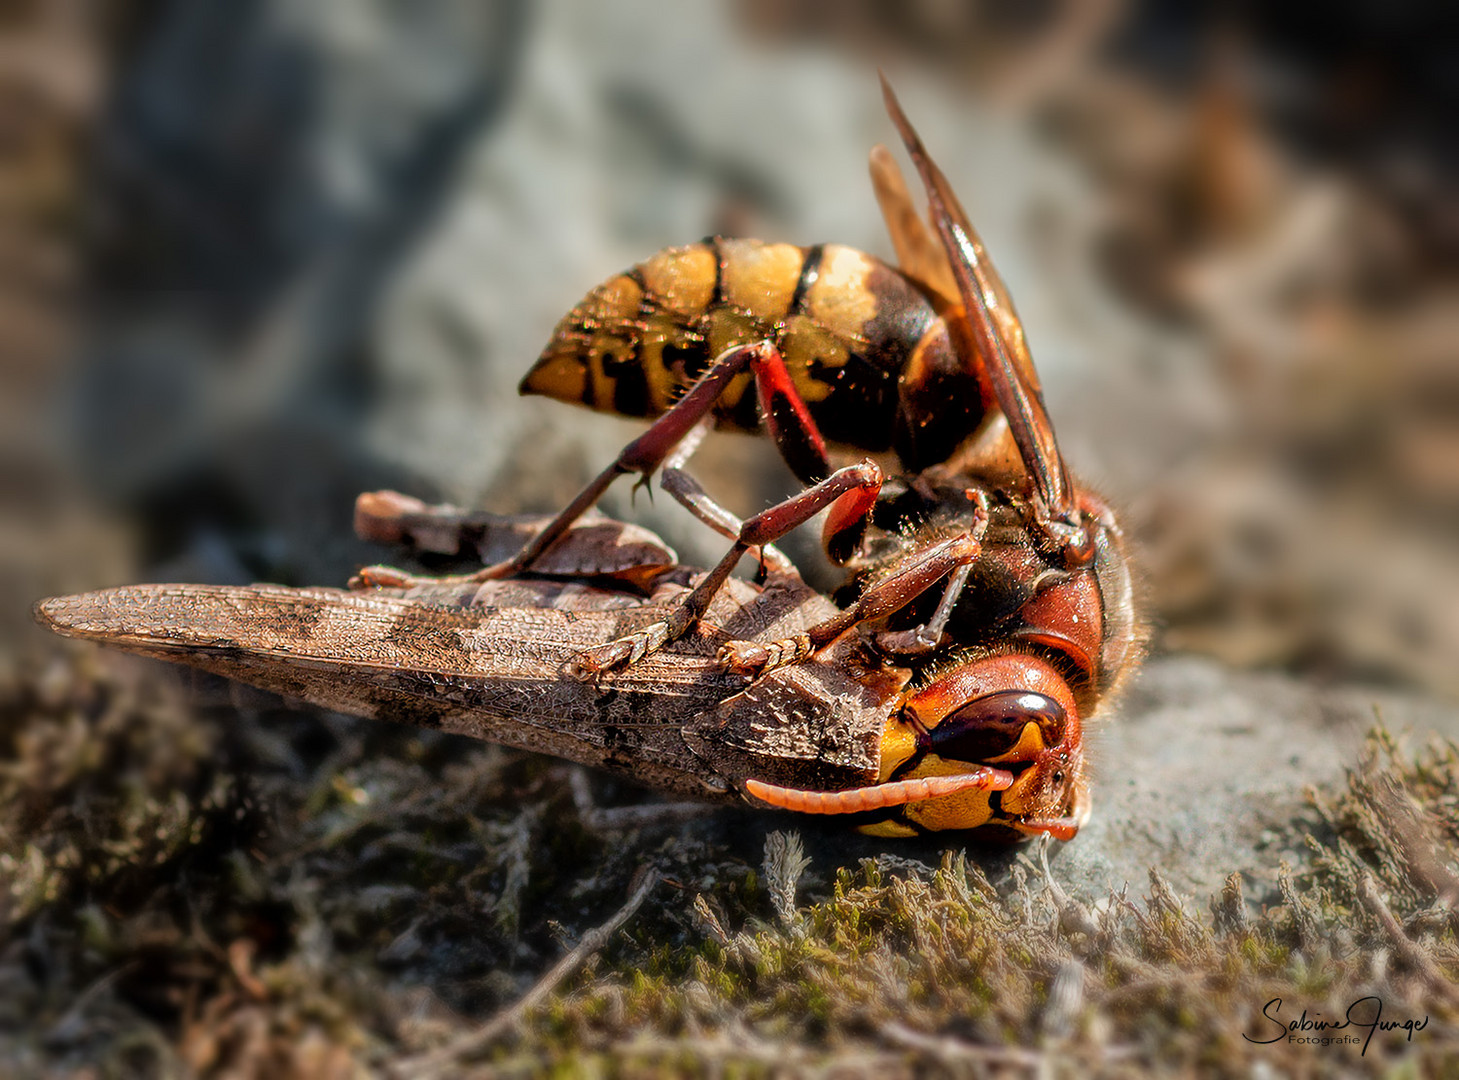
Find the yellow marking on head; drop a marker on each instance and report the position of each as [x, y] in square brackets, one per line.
[840, 297]
[1016, 800]
[760, 278]
[1030, 742]
[1034, 788]
[893, 830]
[962, 810]
[898, 743]
[682, 278]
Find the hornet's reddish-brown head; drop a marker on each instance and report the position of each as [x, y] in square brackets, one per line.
[1036, 629]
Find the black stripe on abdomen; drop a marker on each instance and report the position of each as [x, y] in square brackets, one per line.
[717, 298]
[810, 269]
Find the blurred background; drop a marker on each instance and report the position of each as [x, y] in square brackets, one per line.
[257, 256]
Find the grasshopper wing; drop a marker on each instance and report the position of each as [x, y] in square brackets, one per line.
[487, 661]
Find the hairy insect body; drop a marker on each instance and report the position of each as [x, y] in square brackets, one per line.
[867, 348]
[983, 568]
[1019, 594]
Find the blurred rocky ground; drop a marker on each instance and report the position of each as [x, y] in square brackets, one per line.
[259, 256]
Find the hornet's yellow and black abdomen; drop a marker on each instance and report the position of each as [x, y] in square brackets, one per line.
[867, 348]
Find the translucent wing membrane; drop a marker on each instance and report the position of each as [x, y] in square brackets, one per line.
[994, 324]
[919, 255]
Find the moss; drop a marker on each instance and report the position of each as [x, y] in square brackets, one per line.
[203, 892]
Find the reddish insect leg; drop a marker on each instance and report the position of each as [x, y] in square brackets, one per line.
[855, 485]
[669, 442]
[688, 493]
[782, 411]
[884, 598]
[921, 640]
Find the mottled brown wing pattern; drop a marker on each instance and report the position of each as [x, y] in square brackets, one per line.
[486, 661]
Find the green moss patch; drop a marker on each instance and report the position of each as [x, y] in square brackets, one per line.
[198, 889]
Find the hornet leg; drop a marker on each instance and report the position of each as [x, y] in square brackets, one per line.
[782, 410]
[688, 492]
[915, 576]
[855, 486]
[669, 442]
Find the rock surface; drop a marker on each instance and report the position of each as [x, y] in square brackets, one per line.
[1203, 771]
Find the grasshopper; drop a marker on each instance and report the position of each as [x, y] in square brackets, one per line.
[491, 660]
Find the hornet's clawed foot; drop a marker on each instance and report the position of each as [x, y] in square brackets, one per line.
[591, 664]
[752, 659]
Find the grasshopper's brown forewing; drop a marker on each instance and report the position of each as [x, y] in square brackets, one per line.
[487, 661]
